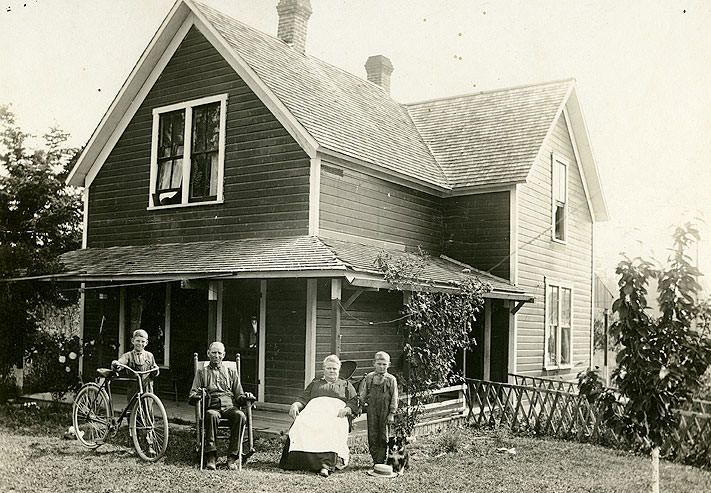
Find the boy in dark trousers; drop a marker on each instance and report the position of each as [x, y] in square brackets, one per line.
[379, 390]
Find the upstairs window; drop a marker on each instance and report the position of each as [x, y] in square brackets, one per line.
[559, 326]
[560, 199]
[187, 159]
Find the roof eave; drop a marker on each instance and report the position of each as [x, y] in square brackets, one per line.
[588, 163]
[367, 280]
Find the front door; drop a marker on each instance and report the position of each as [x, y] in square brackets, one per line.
[240, 328]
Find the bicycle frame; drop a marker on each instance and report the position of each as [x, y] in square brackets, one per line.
[106, 386]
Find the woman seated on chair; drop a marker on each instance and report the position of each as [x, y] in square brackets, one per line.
[318, 438]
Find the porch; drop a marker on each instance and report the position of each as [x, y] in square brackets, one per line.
[449, 404]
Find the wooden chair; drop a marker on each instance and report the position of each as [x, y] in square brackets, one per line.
[223, 431]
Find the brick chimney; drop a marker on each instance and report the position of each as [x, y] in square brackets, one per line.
[379, 68]
[293, 18]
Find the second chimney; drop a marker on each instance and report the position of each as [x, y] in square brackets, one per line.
[379, 68]
[293, 18]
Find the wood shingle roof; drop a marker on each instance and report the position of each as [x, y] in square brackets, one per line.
[493, 137]
[257, 257]
[341, 111]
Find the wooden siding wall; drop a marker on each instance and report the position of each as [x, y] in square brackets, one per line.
[285, 340]
[360, 340]
[476, 231]
[266, 188]
[539, 257]
[363, 206]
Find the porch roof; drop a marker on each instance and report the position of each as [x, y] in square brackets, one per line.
[295, 256]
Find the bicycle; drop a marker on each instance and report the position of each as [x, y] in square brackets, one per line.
[93, 415]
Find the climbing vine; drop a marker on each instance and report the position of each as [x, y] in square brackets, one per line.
[437, 325]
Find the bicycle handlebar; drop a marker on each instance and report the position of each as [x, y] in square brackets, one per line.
[137, 373]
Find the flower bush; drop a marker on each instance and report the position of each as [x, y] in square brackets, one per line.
[52, 364]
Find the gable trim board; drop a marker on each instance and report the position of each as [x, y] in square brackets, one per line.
[85, 219]
[586, 159]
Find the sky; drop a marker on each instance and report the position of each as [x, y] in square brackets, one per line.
[642, 70]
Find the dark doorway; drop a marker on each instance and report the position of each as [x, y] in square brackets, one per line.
[240, 327]
[499, 341]
[471, 361]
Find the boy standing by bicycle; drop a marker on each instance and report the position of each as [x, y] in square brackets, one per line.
[138, 359]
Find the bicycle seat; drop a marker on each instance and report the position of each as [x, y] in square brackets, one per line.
[105, 372]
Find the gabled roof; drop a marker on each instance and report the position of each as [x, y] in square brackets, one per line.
[465, 142]
[343, 112]
[261, 257]
[493, 138]
[490, 138]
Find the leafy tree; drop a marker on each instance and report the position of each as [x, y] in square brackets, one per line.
[40, 218]
[661, 361]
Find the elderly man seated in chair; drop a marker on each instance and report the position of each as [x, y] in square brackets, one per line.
[224, 393]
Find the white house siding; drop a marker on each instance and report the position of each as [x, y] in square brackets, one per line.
[539, 257]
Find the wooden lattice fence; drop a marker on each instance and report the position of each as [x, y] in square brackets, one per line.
[543, 409]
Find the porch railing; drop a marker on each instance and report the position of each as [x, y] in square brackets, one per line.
[445, 404]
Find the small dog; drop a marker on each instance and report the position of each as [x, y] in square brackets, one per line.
[398, 456]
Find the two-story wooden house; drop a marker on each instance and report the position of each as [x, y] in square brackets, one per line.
[238, 189]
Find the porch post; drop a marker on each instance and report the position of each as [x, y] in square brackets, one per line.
[487, 339]
[336, 316]
[310, 349]
[212, 311]
[513, 320]
[122, 320]
[166, 340]
[220, 301]
[82, 319]
[262, 335]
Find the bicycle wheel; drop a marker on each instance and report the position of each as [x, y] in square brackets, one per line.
[91, 415]
[149, 427]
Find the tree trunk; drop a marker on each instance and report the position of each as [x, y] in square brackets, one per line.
[655, 470]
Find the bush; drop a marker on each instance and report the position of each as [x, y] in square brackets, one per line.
[449, 441]
[52, 364]
[8, 386]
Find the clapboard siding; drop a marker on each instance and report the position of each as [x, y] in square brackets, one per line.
[359, 339]
[477, 231]
[539, 257]
[266, 185]
[285, 333]
[356, 204]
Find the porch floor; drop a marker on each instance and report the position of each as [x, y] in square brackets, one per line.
[264, 421]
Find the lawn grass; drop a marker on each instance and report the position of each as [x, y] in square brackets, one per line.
[34, 456]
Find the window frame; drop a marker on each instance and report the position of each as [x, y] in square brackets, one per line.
[546, 301]
[187, 107]
[557, 159]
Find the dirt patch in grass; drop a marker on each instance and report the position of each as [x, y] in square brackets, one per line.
[34, 456]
